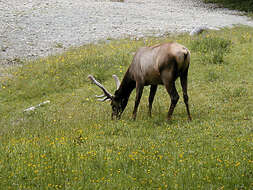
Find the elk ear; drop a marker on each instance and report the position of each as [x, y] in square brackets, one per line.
[116, 81]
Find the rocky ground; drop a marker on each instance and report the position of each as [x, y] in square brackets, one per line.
[34, 28]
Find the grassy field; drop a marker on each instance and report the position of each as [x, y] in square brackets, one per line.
[71, 143]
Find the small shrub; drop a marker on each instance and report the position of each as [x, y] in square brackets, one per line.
[239, 92]
[245, 38]
[211, 50]
[243, 5]
[229, 93]
[211, 76]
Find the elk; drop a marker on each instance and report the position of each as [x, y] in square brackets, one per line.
[156, 65]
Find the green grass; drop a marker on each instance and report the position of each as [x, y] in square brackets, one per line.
[241, 5]
[71, 143]
[211, 50]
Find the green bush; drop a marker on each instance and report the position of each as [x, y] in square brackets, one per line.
[211, 50]
[243, 5]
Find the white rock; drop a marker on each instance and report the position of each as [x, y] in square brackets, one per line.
[200, 29]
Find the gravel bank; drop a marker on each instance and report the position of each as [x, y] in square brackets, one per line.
[33, 28]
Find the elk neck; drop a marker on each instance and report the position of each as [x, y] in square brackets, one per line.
[126, 87]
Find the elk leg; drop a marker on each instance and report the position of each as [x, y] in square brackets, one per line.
[183, 80]
[152, 93]
[139, 90]
[171, 89]
[168, 78]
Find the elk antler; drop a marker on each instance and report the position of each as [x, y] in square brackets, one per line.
[106, 95]
[116, 81]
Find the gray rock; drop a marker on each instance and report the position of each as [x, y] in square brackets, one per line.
[200, 29]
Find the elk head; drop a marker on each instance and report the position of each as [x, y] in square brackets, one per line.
[117, 104]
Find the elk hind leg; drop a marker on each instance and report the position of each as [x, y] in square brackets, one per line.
[152, 93]
[168, 78]
[171, 89]
[183, 80]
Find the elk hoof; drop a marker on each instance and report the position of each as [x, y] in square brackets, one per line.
[169, 119]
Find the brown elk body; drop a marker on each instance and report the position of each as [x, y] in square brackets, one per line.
[156, 65]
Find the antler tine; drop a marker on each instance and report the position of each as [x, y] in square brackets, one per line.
[103, 99]
[116, 81]
[100, 96]
[107, 95]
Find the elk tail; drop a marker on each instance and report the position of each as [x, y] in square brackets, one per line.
[186, 55]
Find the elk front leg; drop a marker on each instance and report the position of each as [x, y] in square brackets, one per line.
[139, 90]
[152, 93]
[183, 80]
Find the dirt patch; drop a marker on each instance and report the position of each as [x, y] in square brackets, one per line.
[34, 28]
